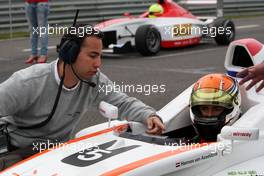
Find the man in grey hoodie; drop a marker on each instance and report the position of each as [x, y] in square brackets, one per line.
[44, 101]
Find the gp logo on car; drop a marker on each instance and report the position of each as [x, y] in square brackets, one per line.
[96, 154]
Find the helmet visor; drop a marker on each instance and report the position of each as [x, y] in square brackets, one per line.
[210, 96]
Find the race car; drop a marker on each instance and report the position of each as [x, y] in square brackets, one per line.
[175, 27]
[123, 148]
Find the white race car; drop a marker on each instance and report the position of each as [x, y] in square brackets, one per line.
[176, 27]
[123, 148]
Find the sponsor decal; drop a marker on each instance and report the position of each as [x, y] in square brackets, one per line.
[188, 29]
[192, 161]
[96, 154]
[242, 134]
[244, 173]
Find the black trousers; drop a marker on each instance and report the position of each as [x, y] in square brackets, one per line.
[11, 158]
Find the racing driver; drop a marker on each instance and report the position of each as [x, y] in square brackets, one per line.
[214, 102]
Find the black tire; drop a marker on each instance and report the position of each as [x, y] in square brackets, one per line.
[147, 40]
[226, 37]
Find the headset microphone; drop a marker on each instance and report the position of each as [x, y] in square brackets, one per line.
[92, 84]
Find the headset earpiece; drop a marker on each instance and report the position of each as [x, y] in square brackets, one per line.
[69, 49]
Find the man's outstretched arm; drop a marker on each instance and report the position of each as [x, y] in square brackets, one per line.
[255, 74]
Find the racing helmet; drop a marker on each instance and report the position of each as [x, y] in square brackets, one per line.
[155, 10]
[214, 90]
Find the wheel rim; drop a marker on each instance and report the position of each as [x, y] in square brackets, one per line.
[153, 41]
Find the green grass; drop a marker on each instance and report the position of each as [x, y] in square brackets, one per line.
[4, 36]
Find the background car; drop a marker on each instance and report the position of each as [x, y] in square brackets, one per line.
[176, 27]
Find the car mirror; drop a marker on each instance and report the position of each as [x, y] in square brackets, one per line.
[108, 111]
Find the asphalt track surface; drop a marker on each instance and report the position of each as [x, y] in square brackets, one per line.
[174, 69]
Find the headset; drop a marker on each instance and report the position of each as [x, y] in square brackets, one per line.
[69, 47]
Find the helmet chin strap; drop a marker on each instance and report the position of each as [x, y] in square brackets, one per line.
[92, 84]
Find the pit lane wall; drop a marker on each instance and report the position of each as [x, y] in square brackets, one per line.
[13, 19]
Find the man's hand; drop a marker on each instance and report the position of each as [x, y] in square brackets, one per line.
[255, 74]
[155, 125]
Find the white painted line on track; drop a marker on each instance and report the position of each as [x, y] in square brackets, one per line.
[5, 59]
[29, 49]
[248, 26]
